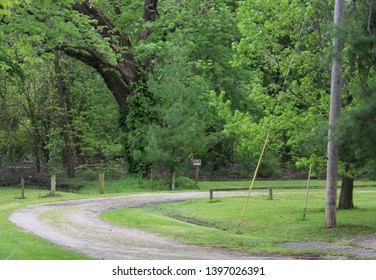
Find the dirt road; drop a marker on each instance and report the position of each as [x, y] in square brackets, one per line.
[76, 225]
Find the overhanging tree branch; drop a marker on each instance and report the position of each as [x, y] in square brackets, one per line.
[109, 72]
[123, 76]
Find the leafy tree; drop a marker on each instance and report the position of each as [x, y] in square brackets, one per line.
[356, 129]
[22, 93]
[86, 116]
[30, 99]
[179, 134]
[101, 34]
[283, 44]
[209, 29]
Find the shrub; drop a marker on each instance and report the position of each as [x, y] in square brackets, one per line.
[185, 183]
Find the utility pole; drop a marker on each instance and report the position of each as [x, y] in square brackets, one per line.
[335, 106]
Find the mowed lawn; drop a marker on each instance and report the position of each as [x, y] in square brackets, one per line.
[265, 224]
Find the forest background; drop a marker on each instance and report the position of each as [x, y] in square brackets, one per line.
[147, 86]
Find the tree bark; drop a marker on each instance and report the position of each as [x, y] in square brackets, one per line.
[347, 187]
[335, 105]
[173, 180]
[36, 145]
[346, 197]
[150, 14]
[122, 77]
[64, 119]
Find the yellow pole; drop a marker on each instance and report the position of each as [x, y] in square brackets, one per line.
[308, 185]
[254, 179]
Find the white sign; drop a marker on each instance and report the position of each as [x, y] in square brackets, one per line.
[196, 162]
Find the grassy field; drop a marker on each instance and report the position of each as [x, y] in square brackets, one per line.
[218, 218]
[265, 224]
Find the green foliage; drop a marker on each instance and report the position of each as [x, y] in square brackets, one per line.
[37, 28]
[356, 131]
[5, 6]
[185, 183]
[31, 102]
[288, 82]
[179, 132]
[265, 65]
[207, 31]
[134, 121]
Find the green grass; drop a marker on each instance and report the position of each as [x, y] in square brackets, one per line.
[219, 217]
[16, 243]
[265, 224]
[206, 185]
[129, 184]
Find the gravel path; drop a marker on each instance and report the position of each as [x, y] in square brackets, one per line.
[76, 225]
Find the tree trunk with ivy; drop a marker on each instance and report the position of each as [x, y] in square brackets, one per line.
[123, 77]
[127, 76]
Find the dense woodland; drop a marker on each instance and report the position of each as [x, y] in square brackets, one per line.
[152, 84]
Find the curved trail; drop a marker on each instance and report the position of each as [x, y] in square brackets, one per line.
[76, 225]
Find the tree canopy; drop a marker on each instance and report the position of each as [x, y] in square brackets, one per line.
[155, 83]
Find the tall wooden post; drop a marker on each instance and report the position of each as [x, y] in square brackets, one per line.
[151, 177]
[173, 180]
[53, 185]
[335, 105]
[101, 182]
[22, 188]
[270, 193]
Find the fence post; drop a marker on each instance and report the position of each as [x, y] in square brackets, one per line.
[22, 188]
[270, 193]
[53, 185]
[101, 182]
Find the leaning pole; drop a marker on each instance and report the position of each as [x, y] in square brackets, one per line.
[335, 106]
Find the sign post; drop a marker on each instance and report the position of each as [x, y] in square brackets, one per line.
[197, 163]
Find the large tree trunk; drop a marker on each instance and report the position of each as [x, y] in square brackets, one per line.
[124, 76]
[346, 197]
[347, 187]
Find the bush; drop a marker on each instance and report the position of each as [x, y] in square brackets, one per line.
[185, 183]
